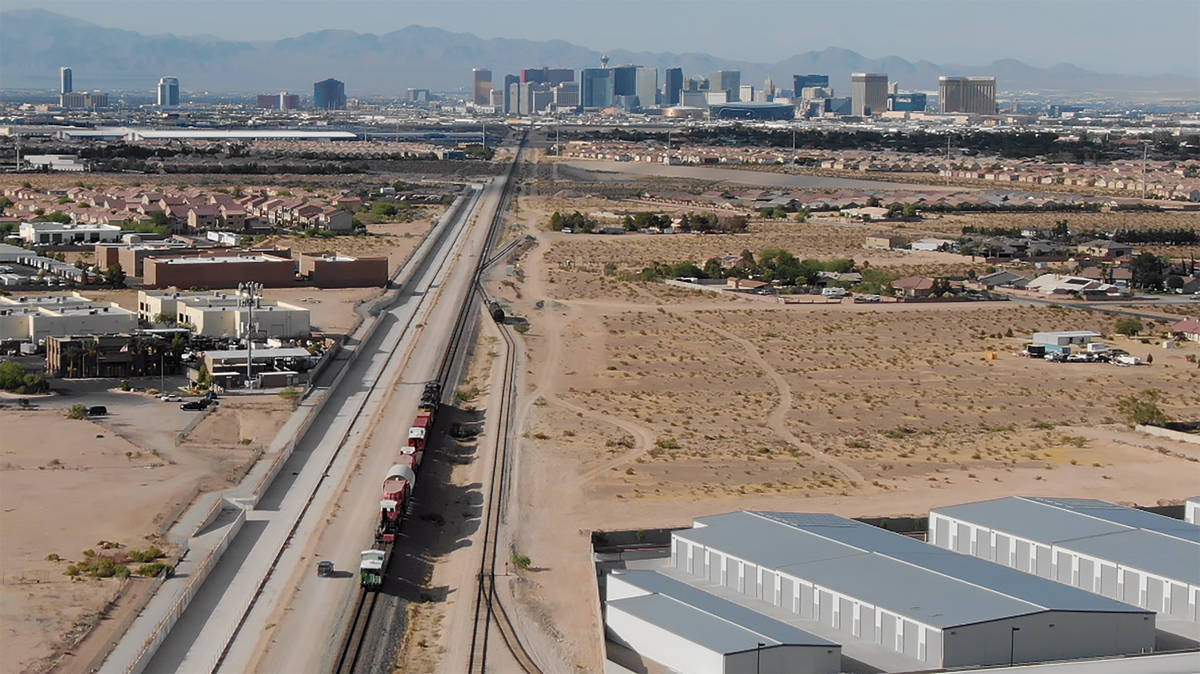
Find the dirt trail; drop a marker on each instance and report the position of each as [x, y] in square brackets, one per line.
[777, 420]
[545, 385]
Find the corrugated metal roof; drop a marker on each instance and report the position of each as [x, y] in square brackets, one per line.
[1127, 536]
[753, 621]
[902, 575]
[694, 625]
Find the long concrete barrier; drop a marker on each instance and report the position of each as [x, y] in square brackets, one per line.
[1169, 434]
[282, 448]
[195, 580]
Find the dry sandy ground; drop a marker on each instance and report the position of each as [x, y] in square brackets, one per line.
[648, 407]
[67, 485]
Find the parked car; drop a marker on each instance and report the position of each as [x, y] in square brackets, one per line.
[324, 568]
[193, 405]
[1055, 357]
[171, 398]
[872, 298]
[1080, 358]
[97, 411]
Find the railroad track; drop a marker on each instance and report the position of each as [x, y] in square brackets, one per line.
[353, 647]
[375, 382]
[489, 609]
[355, 641]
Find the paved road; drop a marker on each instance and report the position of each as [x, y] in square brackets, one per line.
[203, 631]
[296, 630]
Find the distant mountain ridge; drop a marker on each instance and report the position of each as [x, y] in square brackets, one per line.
[34, 43]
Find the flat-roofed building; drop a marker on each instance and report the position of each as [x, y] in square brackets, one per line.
[1124, 553]
[868, 94]
[972, 95]
[36, 318]
[218, 272]
[896, 596]
[686, 629]
[331, 270]
[68, 234]
[225, 314]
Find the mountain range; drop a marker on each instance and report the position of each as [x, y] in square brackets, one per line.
[34, 43]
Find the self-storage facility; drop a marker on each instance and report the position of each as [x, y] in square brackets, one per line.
[933, 606]
[1124, 553]
[686, 629]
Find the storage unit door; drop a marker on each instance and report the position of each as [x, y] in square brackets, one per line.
[1108, 581]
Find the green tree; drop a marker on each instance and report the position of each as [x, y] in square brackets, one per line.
[12, 375]
[203, 378]
[55, 216]
[909, 210]
[1142, 408]
[1129, 326]
[1147, 270]
[713, 269]
[114, 276]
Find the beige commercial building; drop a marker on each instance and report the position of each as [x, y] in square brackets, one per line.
[225, 314]
[36, 318]
[868, 94]
[972, 95]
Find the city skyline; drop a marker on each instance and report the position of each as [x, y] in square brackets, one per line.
[1155, 40]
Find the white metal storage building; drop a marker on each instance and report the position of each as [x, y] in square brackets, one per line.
[1191, 510]
[1128, 554]
[689, 630]
[936, 607]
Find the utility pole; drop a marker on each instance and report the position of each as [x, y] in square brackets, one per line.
[1145, 154]
[949, 167]
[250, 290]
[793, 148]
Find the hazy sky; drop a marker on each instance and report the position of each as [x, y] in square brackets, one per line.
[1124, 36]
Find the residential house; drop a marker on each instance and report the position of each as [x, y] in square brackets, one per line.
[1105, 248]
[1188, 329]
[203, 216]
[913, 286]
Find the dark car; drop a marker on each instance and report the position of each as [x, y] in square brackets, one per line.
[97, 411]
[193, 405]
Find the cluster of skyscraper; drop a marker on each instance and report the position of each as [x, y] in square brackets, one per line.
[167, 93]
[71, 99]
[633, 88]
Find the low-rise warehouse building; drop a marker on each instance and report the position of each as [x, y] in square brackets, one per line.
[219, 272]
[225, 314]
[686, 629]
[330, 270]
[69, 234]
[36, 318]
[878, 589]
[1124, 553]
[1065, 337]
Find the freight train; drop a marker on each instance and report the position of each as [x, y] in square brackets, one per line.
[398, 484]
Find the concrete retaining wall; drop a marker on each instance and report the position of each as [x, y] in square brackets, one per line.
[1168, 434]
[194, 581]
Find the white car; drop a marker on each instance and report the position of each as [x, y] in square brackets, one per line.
[171, 398]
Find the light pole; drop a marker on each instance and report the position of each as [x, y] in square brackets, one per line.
[250, 289]
[1012, 643]
[758, 656]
